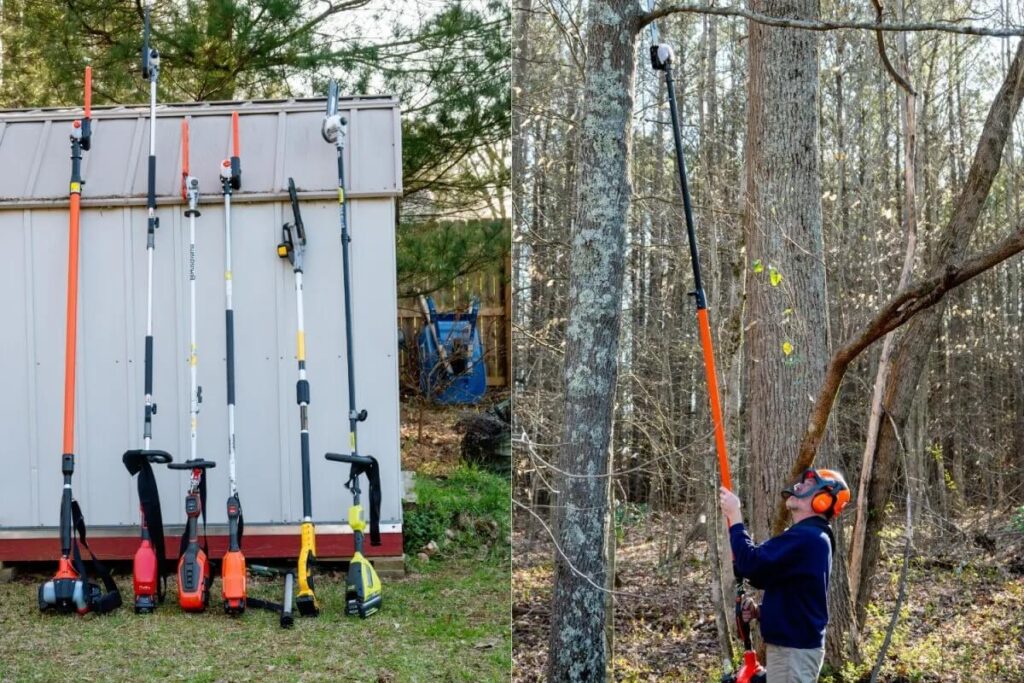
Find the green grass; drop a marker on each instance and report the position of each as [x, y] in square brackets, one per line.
[448, 621]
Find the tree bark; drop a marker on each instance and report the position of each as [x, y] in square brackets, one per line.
[577, 647]
[783, 230]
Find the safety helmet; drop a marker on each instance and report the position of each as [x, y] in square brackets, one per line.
[829, 494]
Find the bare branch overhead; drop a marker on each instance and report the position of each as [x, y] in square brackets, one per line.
[947, 26]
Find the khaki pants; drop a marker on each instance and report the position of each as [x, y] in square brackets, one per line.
[792, 665]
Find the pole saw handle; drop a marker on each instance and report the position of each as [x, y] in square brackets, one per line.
[86, 130]
[184, 159]
[351, 459]
[293, 195]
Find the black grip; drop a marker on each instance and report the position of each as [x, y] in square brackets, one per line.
[302, 391]
[229, 321]
[149, 364]
[351, 459]
[300, 229]
[236, 173]
[86, 134]
[198, 463]
[151, 192]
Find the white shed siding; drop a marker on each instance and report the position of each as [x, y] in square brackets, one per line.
[278, 140]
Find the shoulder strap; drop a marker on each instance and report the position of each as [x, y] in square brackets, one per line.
[373, 475]
[98, 601]
[206, 541]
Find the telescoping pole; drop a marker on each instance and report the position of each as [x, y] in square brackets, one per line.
[233, 579]
[293, 248]
[363, 594]
[64, 592]
[661, 60]
[150, 70]
[150, 566]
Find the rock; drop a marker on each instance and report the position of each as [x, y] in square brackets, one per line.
[450, 534]
[430, 548]
[423, 557]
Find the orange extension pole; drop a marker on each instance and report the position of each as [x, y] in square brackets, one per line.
[81, 138]
[750, 670]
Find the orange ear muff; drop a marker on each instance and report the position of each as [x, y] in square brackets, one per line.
[841, 500]
[822, 502]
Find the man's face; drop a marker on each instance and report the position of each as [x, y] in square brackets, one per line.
[794, 504]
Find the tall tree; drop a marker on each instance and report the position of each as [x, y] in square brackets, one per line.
[577, 650]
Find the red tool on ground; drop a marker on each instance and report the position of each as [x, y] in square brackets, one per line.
[751, 670]
[232, 568]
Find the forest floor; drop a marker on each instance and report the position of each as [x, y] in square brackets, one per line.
[962, 621]
[447, 619]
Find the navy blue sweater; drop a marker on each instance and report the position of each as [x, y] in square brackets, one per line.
[793, 569]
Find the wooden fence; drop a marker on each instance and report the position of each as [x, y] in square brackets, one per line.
[494, 322]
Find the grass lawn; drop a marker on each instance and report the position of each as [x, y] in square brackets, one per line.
[447, 622]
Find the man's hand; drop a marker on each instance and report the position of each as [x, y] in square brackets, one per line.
[749, 610]
[730, 505]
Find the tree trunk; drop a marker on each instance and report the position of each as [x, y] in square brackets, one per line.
[787, 318]
[911, 351]
[783, 230]
[577, 647]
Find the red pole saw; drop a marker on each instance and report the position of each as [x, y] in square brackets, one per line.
[69, 590]
[751, 670]
[150, 566]
[194, 572]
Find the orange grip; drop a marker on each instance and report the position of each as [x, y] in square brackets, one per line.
[71, 326]
[88, 91]
[235, 145]
[716, 407]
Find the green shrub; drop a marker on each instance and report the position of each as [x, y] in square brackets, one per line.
[474, 504]
[1018, 520]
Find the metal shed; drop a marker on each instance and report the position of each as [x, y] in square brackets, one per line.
[279, 139]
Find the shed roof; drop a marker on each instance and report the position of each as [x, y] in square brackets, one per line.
[279, 139]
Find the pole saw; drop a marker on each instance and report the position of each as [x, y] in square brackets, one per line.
[234, 585]
[194, 575]
[150, 566]
[70, 590]
[362, 585]
[232, 572]
[293, 248]
[662, 57]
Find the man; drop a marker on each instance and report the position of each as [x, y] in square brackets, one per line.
[793, 570]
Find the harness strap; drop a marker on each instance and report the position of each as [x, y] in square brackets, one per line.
[149, 500]
[372, 472]
[98, 601]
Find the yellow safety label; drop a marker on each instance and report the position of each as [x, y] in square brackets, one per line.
[341, 195]
[300, 342]
[76, 187]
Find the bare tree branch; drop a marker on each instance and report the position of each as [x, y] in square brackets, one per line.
[900, 79]
[900, 309]
[947, 26]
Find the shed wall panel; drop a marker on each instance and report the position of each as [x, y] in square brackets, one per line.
[112, 316]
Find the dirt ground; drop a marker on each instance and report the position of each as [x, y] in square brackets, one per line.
[431, 440]
[961, 622]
